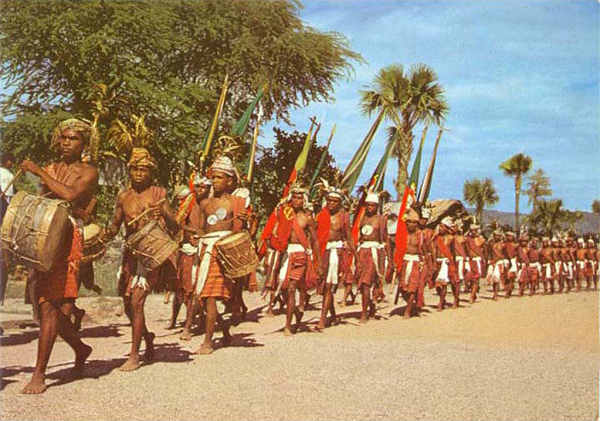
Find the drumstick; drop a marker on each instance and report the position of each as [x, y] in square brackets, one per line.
[17, 174]
[137, 218]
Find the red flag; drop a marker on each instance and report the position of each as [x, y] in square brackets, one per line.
[401, 230]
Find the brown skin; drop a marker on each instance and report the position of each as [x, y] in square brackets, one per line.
[222, 185]
[336, 233]
[191, 234]
[581, 254]
[496, 252]
[547, 256]
[475, 248]
[130, 204]
[55, 315]
[307, 224]
[412, 247]
[460, 249]
[373, 219]
[590, 255]
[523, 262]
[448, 239]
[533, 255]
[511, 247]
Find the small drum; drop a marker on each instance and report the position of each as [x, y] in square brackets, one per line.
[237, 255]
[35, 230]
[152, 245]
[93, 248]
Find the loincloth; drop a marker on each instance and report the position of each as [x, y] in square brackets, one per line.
[185, 263]
[410, 275]
[338, 264]
[209, 278]
[294, 267]
[371, 259]
[62, 280]
[133, 274]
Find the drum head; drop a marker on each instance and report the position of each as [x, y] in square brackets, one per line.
[91, 231]
[238, 237]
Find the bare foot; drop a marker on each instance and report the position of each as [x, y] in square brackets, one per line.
[406, 316]
[363, 320]
[287, 332]
[269, 313]
[186, 335]
[80, 359]
[133, 363]
[35, 386]
[342, 303]
[204, 349]
[170, 326]
[321, 325]
[149, 354]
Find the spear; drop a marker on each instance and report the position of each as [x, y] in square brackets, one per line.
[253, 148]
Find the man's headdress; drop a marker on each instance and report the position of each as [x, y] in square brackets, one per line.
[142, 158]
[372, 197]
[89, 132]
[200, 180]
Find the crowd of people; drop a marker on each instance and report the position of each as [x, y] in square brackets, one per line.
[302, 251]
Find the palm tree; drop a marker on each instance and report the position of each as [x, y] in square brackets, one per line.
[571, 218]
[406, 99]
[596, 207]
[516, 166]
[538, 186]
[548, 215]
[480, 193]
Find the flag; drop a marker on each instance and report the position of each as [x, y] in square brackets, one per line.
[401, 239]
[298, 167]
[375, 184]
[206, 145]
[239, 128]
[416, 169]
[426, 186]
[321, 162]
[355, 166]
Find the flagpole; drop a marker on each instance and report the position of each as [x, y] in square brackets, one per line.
[426, 186]
[253, 149]
[213, 127]
[321, 160]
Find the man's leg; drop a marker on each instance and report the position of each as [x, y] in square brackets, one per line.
[177, 302]
[365, 302]
[211, 320]
[291, 307]
[192, 304]
[138, 331]
[47, 335]
[456, 292]
[325, 307]
[68, 332]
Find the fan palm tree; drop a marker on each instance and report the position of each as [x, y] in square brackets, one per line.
[548, 215]
[406, 99]
[538, 186]
[516, 166]
[480, 193]
[596, 207]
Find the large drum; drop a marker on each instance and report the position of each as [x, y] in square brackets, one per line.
[151, 245]
[237, 255]
[93, 248]
[35, 229]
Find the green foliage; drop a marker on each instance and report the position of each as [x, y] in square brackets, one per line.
[405, 98]
[275, 164]
[596, 207]
[538, 186]
[480, 193]
[516, 166]
[550, 216]
[164, 61]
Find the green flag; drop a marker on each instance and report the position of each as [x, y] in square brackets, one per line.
[321, 161]
[239, 128]
[414, 174]
[355, 166]
[426, 186]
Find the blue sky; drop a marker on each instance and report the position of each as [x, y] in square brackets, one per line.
[520, 76]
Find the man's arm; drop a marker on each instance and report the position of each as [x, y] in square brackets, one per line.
[86, 182]
[117, 219]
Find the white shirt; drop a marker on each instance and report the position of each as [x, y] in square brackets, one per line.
[5, 179]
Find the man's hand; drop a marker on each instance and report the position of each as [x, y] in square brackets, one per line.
[30, 166]
[243, 215]
[155, 212]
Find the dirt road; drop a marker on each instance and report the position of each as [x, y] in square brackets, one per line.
[520, 359]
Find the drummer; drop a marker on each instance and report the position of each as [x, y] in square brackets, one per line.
[221, 215]
[135, 282]
[74, 181]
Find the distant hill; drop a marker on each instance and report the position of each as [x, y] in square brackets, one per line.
[589, 223]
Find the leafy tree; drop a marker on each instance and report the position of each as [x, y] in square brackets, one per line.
[596, 207]
[516, 166]
[275, 164]
[538, 186]
[547, 216]
[480, 193]
[406, 99]
[164, 62]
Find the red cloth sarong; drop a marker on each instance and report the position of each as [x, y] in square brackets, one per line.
[216, 285]
[369, 272]
[62, 280]
[185, 263]
[412, 281]
[128, 272]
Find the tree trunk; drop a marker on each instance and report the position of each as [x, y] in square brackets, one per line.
[403, 151]
[517, 194]
[480, 215]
